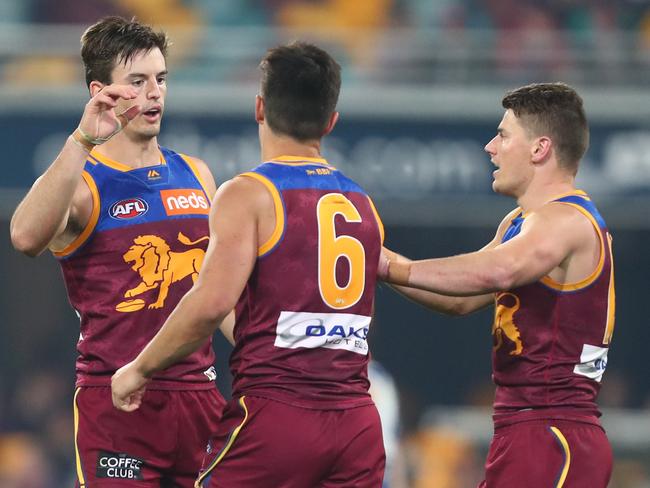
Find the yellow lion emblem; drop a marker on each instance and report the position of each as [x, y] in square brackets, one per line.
[159, 267]
[504, 324]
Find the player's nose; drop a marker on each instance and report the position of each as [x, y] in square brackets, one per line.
[490, 147]
[153, 90]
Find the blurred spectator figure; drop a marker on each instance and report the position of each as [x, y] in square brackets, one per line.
[526, 34]
[441, 458]
[356, 25]
[235, 13]
[386, 397]
[182, 22]
[615, 392]
[41, 407]
[593, 27]
[23, 463]
[73, 11]
[166, 13]
[38, 396]
[56, 69]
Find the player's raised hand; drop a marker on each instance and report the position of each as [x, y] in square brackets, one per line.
[127, 387]
[99, 121]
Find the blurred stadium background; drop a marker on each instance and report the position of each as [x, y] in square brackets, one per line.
[423, 80]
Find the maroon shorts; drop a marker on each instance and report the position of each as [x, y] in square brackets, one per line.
[160, 444]
[265, 443]
[548, 453]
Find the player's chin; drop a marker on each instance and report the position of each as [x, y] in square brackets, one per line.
[150, 131]
[500, 188]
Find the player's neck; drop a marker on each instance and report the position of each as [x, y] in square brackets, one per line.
[136, 154]
[274, 147]
[539, 193]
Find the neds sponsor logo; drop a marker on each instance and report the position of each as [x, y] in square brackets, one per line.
[185, 201]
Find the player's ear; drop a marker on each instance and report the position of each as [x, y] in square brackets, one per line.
[259, 109]
[331, 123]
[94, 87]
[541, 149]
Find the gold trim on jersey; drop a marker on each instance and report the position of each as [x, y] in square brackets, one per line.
[379, 222]
[567, 455]
[611, 297]
[550, 282]
[299, 161]
[279, 213]
[92, 221]
[106, 161]
[512, 215]
[226, 448]
[579, 193]
[75, 413]
[190, 162]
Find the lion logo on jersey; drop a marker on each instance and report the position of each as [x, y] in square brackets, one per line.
[159, 267]
[504, 323]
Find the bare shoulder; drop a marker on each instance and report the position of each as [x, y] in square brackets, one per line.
[247, 191]
[562, 222]
[207, 179]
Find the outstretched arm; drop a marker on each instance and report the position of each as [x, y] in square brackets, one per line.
[59, 203]
[229, 260]
[449, 305]
[547, 240]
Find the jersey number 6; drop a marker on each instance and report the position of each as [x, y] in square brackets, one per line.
[332, 247]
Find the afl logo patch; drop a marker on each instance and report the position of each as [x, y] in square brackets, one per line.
[128, 208]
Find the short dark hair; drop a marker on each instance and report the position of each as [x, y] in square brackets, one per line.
[115, 40]
[300, 87]
[555, 110]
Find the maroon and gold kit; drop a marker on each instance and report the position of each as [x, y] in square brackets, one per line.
[301, 355]
[139, 254]
[304, 315]
[550, 352]
[551, 339]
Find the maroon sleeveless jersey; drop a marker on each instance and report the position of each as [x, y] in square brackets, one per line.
[139, 254]
[303, 317]
[550, 339]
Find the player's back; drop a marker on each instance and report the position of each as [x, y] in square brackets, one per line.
[552, 339]
[303, 318]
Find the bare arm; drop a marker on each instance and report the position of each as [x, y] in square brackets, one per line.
[229, 260]
[449, 305]
[59, 202]
[549, 238]
[207, 180]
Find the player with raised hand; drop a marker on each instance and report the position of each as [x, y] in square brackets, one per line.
[128, 221]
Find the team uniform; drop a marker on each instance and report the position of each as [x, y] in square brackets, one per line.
[301, 415]
[550, 352]
[138, 255]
